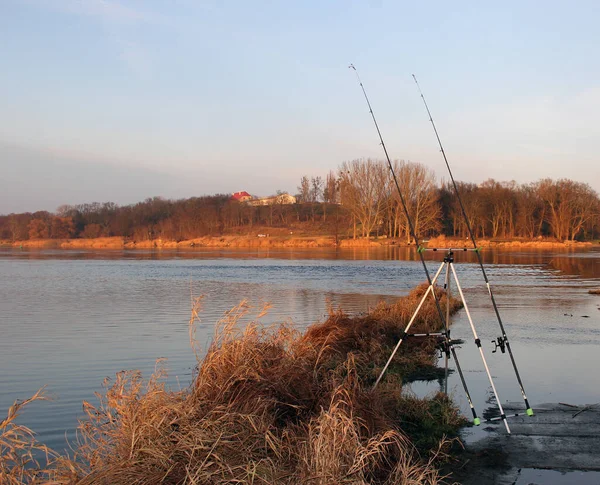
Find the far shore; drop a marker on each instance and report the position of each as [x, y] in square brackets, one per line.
[253, 241]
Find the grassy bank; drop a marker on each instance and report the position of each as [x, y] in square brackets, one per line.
[268, 405]
[280, 241]
[538, 243]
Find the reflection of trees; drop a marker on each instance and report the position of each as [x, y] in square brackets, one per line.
[302, 306]
[584, 267]
[355, 302]
[514, 257]
[566, 263]
[583, 263]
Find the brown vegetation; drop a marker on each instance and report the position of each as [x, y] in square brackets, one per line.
[449, 242]
[360, 199]
[267, 406]
[18, 447]
[271, 242]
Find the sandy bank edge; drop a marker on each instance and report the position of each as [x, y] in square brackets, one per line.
[277, 242]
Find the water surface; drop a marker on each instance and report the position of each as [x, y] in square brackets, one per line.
[68, 319]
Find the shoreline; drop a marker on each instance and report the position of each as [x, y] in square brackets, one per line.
[247, 241]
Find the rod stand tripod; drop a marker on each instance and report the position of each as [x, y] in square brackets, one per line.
[445, 344]
[448, 347]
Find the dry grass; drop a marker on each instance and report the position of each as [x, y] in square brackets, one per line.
[594, 292]
[516, 243]
[372, 337]
[268, 405]
[19, 450]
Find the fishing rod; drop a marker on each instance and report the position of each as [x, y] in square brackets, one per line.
[447, 344]
[501, 342]
[413, 234]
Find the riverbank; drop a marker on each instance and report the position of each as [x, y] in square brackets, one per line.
[279, 241]
[446, 242]
[267, 405]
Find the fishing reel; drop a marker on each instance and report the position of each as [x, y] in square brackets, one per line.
[500, 343]
[445, 346]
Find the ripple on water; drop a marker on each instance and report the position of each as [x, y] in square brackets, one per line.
[70, 319]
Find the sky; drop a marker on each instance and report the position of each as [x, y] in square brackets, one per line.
[120, 100]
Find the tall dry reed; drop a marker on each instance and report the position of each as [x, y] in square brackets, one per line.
[19, 450]
[268, 405]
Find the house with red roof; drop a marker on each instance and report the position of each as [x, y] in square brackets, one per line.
[241, 196]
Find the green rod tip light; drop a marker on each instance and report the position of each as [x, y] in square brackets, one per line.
[477, 421]
[529, 412]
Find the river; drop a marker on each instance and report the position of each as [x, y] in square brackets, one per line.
[68, 319]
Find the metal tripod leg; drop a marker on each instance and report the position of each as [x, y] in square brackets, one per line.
[447, 327]
[476, 420]
[449, 347]
[412, 319]
[448, 343]
[478, 343]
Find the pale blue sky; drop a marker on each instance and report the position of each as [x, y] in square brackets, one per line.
[125, 99]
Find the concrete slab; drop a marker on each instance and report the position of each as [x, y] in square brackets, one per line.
[558, 437]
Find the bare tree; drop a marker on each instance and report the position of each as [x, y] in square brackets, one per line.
[364, 191]
[418, 186]
[38, 229]
[316, 189]
[530, 211]
[61, 228]
[500, 203]
[330, 192]
[570, 206]
[475, 209]
[304, 189]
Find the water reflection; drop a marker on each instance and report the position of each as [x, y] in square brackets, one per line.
[583, 262]
[584, 267]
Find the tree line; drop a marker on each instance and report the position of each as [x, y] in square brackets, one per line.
[360, 199]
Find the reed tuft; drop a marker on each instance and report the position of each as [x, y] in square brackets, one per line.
[268, 405]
